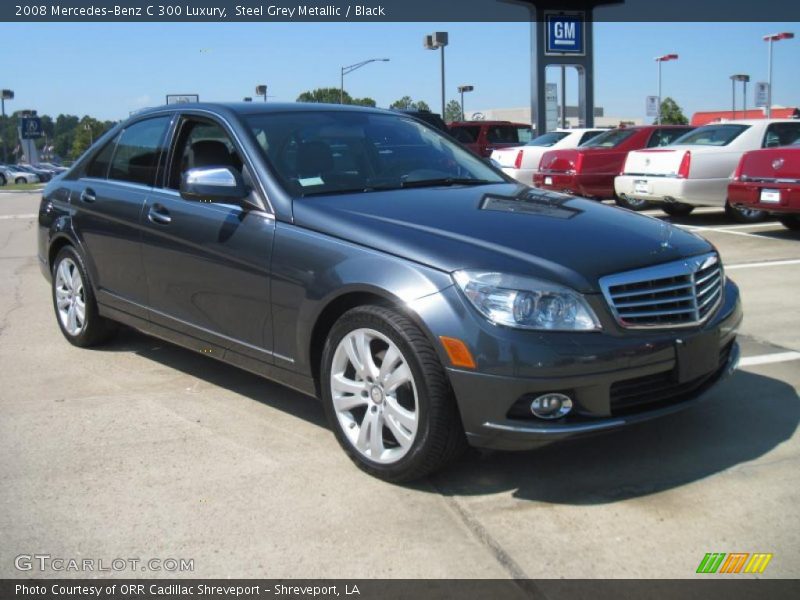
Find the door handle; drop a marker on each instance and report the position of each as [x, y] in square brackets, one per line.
[88, 195]
[158, 215]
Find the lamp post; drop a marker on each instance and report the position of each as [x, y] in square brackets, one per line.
[461, 90]
[261, 90]
[773, 37]
[5, 95]
[435, 41]
[659, 60]
[350, 69]
[744, 79]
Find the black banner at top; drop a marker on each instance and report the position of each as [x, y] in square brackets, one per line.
[389, 10]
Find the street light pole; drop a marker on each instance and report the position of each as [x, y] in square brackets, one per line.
[744, 79]
[461, 90]
[435, 41]
[349, 69]
[659, 60]
[773, 37]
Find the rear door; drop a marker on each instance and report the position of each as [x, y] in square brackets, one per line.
[207, 263]
[109, 199]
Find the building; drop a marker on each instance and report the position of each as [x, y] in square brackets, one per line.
[523, 115]
[712, 116]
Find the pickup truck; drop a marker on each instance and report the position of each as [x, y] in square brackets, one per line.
[769, 180]
[483, 137]
[589, 169]
[697, 168]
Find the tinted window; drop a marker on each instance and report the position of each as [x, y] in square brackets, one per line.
[782, 134]
[662, 137]
[138, 151]
[588, 136]
[548, 139]
[507, 134]
[99, 165]
[609, 139]
[712, 135]
[466, 135]
[317, 153]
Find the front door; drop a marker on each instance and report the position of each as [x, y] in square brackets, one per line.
[208, 264]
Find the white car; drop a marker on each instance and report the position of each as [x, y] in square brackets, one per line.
[10, 174]
[520, 162]
[696, 168]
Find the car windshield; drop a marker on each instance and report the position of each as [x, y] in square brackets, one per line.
[315, 153]
[548, 139]
[609, 139]
[711, 135]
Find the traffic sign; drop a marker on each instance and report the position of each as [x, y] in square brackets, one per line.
[564, 33]
[762, 93]
[551, 105]
[30, 128]
[651, 105]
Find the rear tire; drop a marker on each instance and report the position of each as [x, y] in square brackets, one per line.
[790, 222]
[396, 432]
[745, 215]
[677, 209]
[2, 179]
[74, 302]
[631, 203]
[20, 180]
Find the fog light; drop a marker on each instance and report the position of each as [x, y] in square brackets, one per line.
[551, 406]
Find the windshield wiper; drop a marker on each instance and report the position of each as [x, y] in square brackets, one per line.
[446, 181]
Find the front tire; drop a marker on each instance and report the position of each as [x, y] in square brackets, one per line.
[20, 180]
[74, 302]
[677, 209]
[387, 397]
[745, 215]
[790, 222]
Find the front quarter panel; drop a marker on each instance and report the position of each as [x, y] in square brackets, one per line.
[311, 270]
[54, 221]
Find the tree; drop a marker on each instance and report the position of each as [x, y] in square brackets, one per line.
[671, 113]
[87, 131]
[331, 95]
[452, 112]
[408, 103]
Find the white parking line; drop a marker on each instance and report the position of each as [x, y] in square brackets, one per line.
[766, 359]
[720, 230]
[9, 217]
[766, 263]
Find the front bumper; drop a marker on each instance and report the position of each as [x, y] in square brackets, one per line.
[614, 378]
[698, 192]
[749, 194]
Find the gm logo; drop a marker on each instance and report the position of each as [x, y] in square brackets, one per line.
[733, 563]
[564, 33]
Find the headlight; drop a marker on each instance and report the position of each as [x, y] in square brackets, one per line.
[526, 303]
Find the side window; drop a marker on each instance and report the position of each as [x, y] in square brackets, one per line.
[202, 144]
[98, 168]
[781, 134]
[138, 151]
[465, 135]
[589, 135]
[664, 137]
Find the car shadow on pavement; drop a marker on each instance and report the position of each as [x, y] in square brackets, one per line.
[745, 417]
[220, 374]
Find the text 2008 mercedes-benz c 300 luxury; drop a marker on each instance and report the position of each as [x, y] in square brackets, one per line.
[360, 256]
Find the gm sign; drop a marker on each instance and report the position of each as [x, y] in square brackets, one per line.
[564, 33]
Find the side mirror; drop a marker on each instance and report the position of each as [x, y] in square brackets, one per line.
[213, 184]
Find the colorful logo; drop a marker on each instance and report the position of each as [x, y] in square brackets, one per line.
[734, 562]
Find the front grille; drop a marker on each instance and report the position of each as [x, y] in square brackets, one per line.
[676, 294]
[661, 389]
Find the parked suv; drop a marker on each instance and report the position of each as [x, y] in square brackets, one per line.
[358, 255]
[483, 137]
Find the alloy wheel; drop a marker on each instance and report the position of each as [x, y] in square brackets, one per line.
[374, 395]
[70, 297]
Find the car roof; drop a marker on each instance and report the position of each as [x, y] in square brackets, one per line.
[471, 123]
[751, 121]
[255, 108]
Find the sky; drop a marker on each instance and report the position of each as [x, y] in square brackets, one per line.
[108, 70]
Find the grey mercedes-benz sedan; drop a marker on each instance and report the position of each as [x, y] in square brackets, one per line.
[363, 257]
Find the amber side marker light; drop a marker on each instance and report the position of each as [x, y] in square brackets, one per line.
[458, 352]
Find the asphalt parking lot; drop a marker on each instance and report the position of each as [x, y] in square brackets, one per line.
[143, 449]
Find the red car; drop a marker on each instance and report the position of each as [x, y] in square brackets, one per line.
[589, 170]
[483, 137]
[769, 180]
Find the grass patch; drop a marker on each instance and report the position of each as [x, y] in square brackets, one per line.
[21, 187]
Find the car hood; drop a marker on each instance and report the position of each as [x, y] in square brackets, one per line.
[503, 227]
